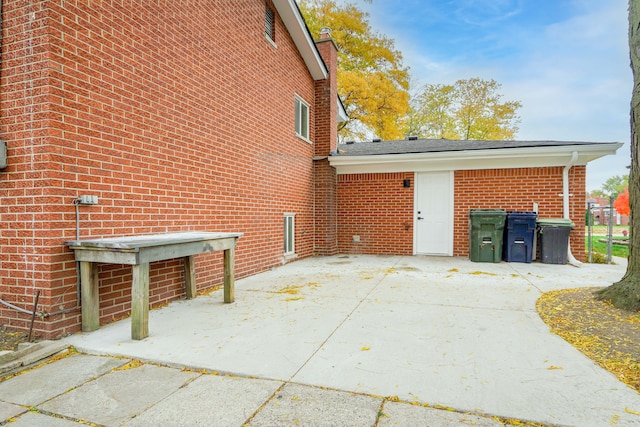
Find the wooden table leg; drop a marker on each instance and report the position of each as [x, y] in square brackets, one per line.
[189, 277]
[90, 299]
[140, 301]
[229, 282]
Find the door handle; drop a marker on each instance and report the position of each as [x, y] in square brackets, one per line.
[420, 217]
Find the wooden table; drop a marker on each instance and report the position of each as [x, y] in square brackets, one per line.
[139, 251]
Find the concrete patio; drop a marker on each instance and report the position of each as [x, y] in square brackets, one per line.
[438, 331]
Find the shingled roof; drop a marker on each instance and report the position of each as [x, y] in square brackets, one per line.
[443, 154]
[445, 145]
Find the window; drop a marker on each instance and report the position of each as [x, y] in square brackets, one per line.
[289, 234]
[302, 119]
[269, 23]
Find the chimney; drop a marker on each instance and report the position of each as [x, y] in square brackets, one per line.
[325, 33]
[326, 140]
[326, 102]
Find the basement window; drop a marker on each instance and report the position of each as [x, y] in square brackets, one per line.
[270, 24]
[289, 234]
[302, 119]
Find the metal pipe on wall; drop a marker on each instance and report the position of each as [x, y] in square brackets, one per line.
[565, 202]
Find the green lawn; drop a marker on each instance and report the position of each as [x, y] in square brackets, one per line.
[601, 248]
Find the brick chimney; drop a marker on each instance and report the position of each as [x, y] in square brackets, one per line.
[326, 141]
[326, 94]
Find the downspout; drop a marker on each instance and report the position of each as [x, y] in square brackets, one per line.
[565, 196]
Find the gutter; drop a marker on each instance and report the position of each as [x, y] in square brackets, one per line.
[565, 202]
[518, 157]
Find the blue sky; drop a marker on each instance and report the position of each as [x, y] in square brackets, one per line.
[567, 61]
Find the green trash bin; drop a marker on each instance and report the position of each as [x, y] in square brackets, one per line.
[486, 227]
[553, 235]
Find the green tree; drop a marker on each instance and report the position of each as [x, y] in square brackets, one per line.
[625, 294]
[433, 112]
[615, 185]
[373, 83]
[468, 109]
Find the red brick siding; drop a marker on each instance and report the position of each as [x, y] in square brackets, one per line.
[326, 205]
[377, 208]
[177, 115]
[516, 190]
[326, 241]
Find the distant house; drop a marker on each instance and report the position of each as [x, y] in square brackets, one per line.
[218, 117]
[601, 211]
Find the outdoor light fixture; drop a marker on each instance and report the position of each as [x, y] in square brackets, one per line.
[407, 183]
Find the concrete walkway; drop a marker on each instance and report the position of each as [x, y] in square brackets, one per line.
[344, 340]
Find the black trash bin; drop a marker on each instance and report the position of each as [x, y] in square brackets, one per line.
[519, 232]
[485, 234]
[554, 239]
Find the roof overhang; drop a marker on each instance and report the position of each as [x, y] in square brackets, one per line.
[499, 158]
[293, 20]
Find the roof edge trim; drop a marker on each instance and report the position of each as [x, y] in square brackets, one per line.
[293, 20]
[505, 158]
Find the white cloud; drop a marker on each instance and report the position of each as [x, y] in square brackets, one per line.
[572, 76]
[487, 12]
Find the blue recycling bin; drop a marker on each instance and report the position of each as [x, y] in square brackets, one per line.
[519, 232]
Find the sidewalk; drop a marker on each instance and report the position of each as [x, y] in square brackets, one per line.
[345, 340]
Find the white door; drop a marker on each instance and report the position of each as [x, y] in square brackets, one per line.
[433, 213]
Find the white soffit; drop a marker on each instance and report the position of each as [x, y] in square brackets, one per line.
[290, 15]
[503, 158]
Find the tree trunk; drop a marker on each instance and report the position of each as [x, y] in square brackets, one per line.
[625, 294]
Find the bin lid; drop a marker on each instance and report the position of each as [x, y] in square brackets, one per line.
[498, 212]
[555, 222]
[522, 214]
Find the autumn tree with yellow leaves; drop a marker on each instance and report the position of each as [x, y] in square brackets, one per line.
[469, 109]
[373, 83]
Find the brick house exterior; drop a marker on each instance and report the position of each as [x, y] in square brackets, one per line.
[182, 116]
[378, 212]
[178, 116]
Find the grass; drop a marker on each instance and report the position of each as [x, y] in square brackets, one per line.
[601, 248]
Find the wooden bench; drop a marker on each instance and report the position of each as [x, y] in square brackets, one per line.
[139, 251]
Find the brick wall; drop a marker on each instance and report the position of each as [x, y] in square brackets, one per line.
[325, 179]
[377, 208]
[516, 190]
[177, 115]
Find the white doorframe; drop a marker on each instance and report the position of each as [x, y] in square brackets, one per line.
[438, 185]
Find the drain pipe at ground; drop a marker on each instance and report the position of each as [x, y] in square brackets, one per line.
[565, 196]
